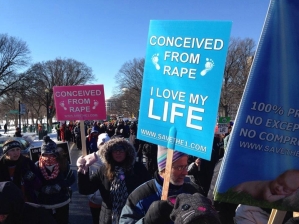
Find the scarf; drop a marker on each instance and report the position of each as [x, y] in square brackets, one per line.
[118, 193]
[48, 161]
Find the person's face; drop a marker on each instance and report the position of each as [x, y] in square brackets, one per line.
[13, 154]
[285, 184]
[179, 170]
[119, 155]
[3, 217]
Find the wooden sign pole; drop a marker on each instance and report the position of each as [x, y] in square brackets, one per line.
[170, 147]
[167, 174]
[83, 138]
[276, 216]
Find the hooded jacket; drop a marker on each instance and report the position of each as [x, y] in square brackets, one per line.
[135, 175]
[91, 141]
[19, 212]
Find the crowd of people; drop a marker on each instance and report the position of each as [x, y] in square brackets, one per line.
[123, 178]
[41, 187]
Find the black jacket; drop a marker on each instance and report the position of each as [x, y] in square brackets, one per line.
[22, 166]
[18, 211]
[226, 211]
[100, 182]
[64, 180]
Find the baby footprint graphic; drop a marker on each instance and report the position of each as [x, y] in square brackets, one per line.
[62, 105]
[208, 66]
[95, 104]
[155, 60]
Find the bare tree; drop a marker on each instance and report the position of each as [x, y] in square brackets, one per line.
[9, 102]
[14, 55]
[238, 62]
[46, 75]
[129, 84]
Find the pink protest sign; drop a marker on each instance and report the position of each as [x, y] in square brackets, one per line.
[80, 102]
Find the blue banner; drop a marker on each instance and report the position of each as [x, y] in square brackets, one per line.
[22, 108]
[261, 165]
[181, 84]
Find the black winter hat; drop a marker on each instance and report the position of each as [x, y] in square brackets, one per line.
[49, 146]
[192, 209]
[10, 144]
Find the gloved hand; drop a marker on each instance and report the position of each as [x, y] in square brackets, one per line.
[51, 189]
[84, 162]
[82, 168]
[91, 159]
[29, 176]
[158, 212]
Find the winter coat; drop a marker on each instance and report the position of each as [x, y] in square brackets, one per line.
[226, 211]
[141, 198]
[110, 130]
[135, 175]
[23, 165]
[194, 171]
[100, 182]
[150, 151]
[17, 134]
[96, 197]
[64, 180]
[19, 212]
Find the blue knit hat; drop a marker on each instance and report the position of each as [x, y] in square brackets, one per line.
[48, 146]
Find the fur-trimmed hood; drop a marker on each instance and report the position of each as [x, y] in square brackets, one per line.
[108, 147]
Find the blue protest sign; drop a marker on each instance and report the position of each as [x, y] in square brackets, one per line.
[181, 84]
[261, 165]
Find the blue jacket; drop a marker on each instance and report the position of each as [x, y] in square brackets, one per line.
[142, 197]
[91, 144]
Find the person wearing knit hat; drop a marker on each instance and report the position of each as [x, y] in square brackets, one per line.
[140, 200]
[181, 165]
[91, 140]
[48, 147]
[56, 177]
[162, 154]
[119, 175]
[102, 138]
[20, 169]
[10, 144]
